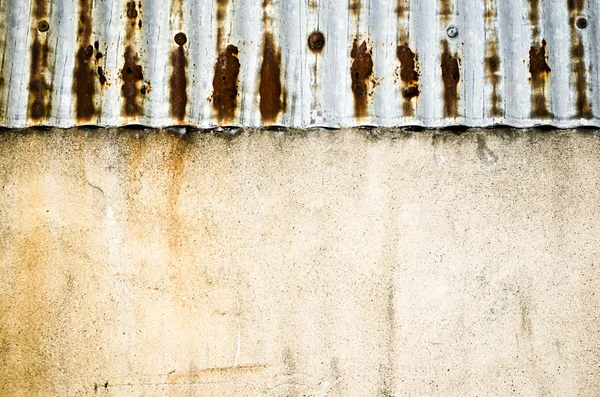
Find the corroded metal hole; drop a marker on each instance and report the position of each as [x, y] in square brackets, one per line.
[581, 23]
[43, 26]
[316, 41]
[452, 31]
[180, 38]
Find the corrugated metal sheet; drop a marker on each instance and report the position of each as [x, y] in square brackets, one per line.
[299, 63]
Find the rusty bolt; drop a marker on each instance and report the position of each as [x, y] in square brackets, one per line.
[43, 26]
[452, 31]
[89, 50]
[582, 23]
[180, 38]
[316, 41]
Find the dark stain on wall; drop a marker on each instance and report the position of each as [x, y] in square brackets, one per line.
[540, 73]
[450, 78]
[225, 83]
[270, 88]
[360, 74]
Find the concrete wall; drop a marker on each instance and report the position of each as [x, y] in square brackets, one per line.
[319, 263]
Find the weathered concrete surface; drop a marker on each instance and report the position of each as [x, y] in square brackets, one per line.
[285, 264]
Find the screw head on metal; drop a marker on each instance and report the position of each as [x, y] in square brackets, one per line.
[581, 23]
[316, 41]
[452, 31]
[43, 26]
[180, 38]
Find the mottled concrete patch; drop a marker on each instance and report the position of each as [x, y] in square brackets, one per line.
[321, 263]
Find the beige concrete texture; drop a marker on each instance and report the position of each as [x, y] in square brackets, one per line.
[299, 263]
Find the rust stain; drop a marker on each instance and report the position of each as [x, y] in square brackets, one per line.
[492, 67]
[539, 71]
[451, 78]
[132, 12]
[225, 83]
[360, 74]
[409, 76]
[583, 108]
[402, 7]
[534, 17]
[445, 10]
[270, 88]
[132, 75]
[492, 60]
[354, 7]
[39, 104]
[221, 16]
[178, 83]
[83, 74]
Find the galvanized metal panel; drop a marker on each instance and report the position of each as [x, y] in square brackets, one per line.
[249, 63]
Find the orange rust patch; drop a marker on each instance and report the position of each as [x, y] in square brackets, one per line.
[539, 71]
[409, 77]
[225, 83]
[360, 74]
[450, 78]
[270, 88]
[178, 84]
[132, 75]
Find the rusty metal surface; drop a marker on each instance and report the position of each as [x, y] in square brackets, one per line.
[206, 63]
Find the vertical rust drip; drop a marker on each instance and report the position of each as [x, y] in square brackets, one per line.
[534, 18]
[360, 74]
[492, 59]
[221, 16]
[83, 73]
[402, 7]
[409, 76]
[270, 89]
[583, 108]
[178, 84]
[39, 104]
[132, 75]
[540, 72]
[450, 78]
[354, 7]
[445, 10]
[225, 83]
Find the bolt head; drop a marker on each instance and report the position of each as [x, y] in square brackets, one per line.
[452, 31]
